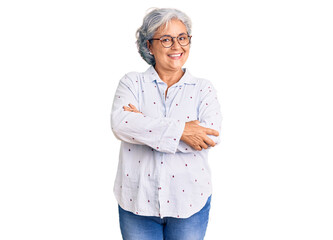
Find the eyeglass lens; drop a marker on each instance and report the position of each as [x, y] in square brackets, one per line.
[167, 41]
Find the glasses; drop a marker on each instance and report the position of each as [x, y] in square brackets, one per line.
[167, 41]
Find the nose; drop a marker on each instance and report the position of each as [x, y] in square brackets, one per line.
[176, 44]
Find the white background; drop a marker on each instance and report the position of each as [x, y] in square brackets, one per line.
[271, 62]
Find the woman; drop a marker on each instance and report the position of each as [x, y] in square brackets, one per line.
[167, 120]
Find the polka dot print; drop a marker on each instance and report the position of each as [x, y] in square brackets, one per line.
[159, 174]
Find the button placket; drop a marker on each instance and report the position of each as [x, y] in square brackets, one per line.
[160, 188]
[162, 88]
[169, 99]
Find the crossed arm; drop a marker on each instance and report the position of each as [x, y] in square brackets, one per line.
[193, 135]
[164, 134]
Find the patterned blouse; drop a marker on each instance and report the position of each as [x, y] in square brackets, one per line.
[158, 174]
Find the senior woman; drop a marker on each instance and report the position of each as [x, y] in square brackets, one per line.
[166, 120]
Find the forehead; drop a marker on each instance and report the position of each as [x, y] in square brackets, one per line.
[174, 27]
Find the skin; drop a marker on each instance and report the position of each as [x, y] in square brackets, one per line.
[170, 71]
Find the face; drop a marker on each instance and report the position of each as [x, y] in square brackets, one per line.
[173, 58]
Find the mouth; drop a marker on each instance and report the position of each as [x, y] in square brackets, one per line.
[175, 56]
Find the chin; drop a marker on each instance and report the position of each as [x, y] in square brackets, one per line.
[178, 65]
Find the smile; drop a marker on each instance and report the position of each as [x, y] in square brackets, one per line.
[175, 56]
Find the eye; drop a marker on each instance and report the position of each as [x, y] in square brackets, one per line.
[166, 40]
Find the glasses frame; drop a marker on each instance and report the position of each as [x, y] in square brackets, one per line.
[172, 39]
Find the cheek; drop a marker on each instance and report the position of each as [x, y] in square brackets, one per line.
[160, 54]
[187, 53]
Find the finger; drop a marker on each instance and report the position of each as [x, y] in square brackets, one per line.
[213, 132]
[203, 145]
[132, 106]
[129, 109]
[196, 122]
[198, 148]
[209, 141]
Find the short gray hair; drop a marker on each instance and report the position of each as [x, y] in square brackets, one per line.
[151, 22]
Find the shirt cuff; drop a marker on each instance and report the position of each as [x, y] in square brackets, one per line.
[172, 136]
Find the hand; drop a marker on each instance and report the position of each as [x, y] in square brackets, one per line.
[131, 108]
[196, 137]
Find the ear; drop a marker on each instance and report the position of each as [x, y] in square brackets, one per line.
[149, 46]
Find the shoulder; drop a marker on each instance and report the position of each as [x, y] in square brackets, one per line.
[132, 77]
[199, 81]
[204, 84]
[137, 76]
[204, 87]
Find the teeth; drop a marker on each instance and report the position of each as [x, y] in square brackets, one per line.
[176, 55]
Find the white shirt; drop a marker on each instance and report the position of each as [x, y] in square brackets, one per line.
[158, 174]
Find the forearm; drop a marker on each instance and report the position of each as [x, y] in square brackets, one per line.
[161, 134]
[210, 118]
[188, 138]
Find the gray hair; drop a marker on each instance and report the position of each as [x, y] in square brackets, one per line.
[151, 22]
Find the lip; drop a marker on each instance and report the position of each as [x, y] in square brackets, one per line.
[175, 56]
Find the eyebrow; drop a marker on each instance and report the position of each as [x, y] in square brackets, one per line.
[171, 36]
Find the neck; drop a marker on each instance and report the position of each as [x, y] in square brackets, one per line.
[170, 77]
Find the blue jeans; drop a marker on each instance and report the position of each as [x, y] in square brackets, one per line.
[136, 227]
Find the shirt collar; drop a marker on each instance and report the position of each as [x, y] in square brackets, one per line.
[151, 75]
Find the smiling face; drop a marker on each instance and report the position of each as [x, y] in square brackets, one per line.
[170, 59]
